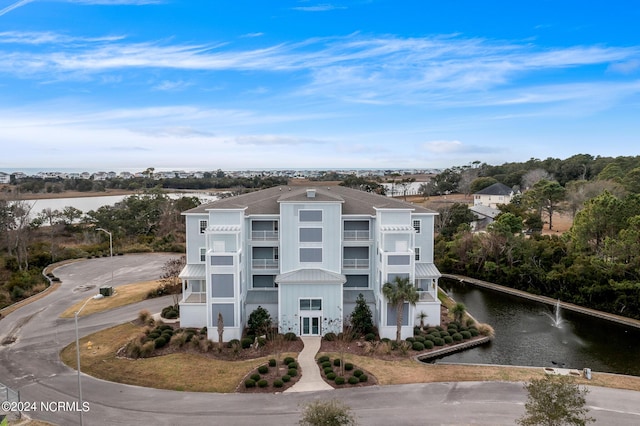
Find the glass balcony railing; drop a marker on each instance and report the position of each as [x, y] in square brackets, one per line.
[355, 263]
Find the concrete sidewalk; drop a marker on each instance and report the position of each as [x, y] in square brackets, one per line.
[311, 379]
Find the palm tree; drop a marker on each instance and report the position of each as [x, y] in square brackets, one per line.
[458, 312]
[398, 292]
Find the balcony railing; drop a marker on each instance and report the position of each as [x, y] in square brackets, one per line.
[426, 296]
[264, 263]
[195, 297]
[356, 235]
[355, 263]
[264, 235]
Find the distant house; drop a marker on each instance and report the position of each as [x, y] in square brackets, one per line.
[484, 215]
[5, 177]
[491, 196]
[305, 254]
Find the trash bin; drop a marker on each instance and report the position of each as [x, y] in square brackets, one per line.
[587, 373]
[106, 290]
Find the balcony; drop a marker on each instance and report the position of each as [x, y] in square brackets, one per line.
[355, 263]
[356, 235]
[426, 296]
[265, 263]
[264, 235]
[194, 297]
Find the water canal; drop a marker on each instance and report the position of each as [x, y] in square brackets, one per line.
[529, 334]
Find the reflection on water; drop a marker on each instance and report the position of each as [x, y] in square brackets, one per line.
[527, 334]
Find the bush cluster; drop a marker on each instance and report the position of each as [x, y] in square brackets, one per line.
[351, 375]
[259, 379]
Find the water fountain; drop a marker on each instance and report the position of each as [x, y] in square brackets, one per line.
[556, 318]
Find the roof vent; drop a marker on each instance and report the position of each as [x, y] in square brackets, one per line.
[311, 193]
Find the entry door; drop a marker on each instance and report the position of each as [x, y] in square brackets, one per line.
[310, 326]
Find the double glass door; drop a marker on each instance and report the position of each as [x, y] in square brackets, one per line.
[310, 326]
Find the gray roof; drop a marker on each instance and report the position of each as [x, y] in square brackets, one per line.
[496, 189]
[485, 211]
[311, 276]
[193, 270]
[266, 201]
[427, 270]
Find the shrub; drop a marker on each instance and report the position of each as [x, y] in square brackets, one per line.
[428, 344]
[363, 378]
[133, 349]
[327, 370]
[292, 372]
[249, 383]
[448, 339]
[474, 332]
[262, 383]
[452, 331]
[439, 341]
[358, 373]
[322, 359]
[331, 376]
[361, 319]
[261, 341]
[288, 360]
[420, 339]
[444, 333]
[178, 340]
[439, 328]
[255, 377]
[385, 340]
[263, 369]
[159, 342]
[170, 312]
[147, 349]
[293, 365]
[259, 321]
[154, 335]
[410, 339]
[203, 331]
[272, 362]
[327, 412]
[233, 342]
[457, 337]
[326, 364]
[246, 342]
[277, 383]
[336, 362]
[339, 380]
[465, 334]
[144, 316]
[286, 378]
[348, 366]
[330, 337]
[417, 346]
[486, 330]
[354, 380]
[290, 337]
[369, 337]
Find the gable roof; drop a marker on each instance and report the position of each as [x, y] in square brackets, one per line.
[267, 201]
[496, 189]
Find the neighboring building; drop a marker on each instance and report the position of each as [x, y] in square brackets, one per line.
[491, 196]
[484, 215]
[5, 177]
[305, 254]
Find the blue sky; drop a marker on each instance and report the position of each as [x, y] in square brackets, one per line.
[177, 84]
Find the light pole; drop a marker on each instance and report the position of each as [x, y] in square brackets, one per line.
[110, 250]
[80, 408]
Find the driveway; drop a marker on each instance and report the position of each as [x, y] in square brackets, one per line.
[31, 365]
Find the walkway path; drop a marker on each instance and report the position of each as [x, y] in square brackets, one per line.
[311, 379]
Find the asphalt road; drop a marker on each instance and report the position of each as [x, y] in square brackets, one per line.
[31, 365]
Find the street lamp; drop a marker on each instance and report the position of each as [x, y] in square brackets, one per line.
[110, 249]
[80, 408]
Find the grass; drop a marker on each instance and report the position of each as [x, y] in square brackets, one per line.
[412, 371]
[123, 295]
[180, 371]
[198, 373]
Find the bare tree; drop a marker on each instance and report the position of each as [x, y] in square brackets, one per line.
[534, 176]
[170, 278]
[220, 330]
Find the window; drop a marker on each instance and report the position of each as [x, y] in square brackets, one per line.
[357, 281]
[310, 255]
[222, 285]
[391, 315]
[417, 252]
[203, 226]
[310, 215]
[398, 260]
[310, 235]
[417, 224]
[310, 304]
[203, 254]
[221, 260]
[264, 281]
[227, 311]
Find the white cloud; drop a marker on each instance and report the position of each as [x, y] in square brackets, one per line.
[324, 7]
[274, 140]
[443, 146]
[14, 6]
[167, 85]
